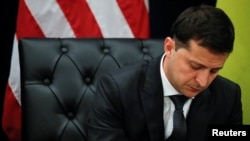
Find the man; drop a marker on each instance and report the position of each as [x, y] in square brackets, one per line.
[134, 104]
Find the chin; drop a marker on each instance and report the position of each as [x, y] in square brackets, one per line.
[191, 94]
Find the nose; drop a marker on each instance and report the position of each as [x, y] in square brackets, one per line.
[202, 78]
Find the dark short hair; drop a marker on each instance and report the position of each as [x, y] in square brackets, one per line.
[208, 25]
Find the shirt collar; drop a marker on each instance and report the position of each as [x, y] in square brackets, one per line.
[168, 89]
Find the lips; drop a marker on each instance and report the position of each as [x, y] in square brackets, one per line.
[194, 89]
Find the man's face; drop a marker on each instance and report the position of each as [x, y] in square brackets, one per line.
[191, 70]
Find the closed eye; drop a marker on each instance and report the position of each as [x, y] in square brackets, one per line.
[197, 66]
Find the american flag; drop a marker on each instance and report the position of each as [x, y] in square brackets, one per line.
[68, 18]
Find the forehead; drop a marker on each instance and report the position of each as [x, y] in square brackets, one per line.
[203, 55]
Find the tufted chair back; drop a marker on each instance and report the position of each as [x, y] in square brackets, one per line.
[59, 77]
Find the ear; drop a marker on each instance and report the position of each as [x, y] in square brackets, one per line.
[169, 45]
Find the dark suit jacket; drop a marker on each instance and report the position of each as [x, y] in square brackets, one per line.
[128, 106]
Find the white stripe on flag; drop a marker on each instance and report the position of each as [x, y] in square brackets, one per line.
[14, 77]
[110, 18]
[146, 4]
[50, 18]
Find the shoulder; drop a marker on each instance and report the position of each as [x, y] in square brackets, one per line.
[224, 82]
[225, 87]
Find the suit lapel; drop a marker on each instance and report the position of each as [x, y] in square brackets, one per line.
[152, 100]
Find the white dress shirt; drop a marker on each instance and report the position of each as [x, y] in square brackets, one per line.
[169, 107]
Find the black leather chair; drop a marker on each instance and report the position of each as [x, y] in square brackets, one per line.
[59, 76]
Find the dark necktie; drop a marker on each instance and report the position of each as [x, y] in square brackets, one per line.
[179, 121]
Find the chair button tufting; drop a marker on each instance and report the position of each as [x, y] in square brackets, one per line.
[106, 50]
[64, 49]
[46, 81]
[70, 115]
[145, 50]
[88, 80]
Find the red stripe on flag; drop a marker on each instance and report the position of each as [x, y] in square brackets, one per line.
[137, 16]
[80, 18]
[26, 24]
[11, 120]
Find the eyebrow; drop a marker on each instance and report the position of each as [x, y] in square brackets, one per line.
[203, 66]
